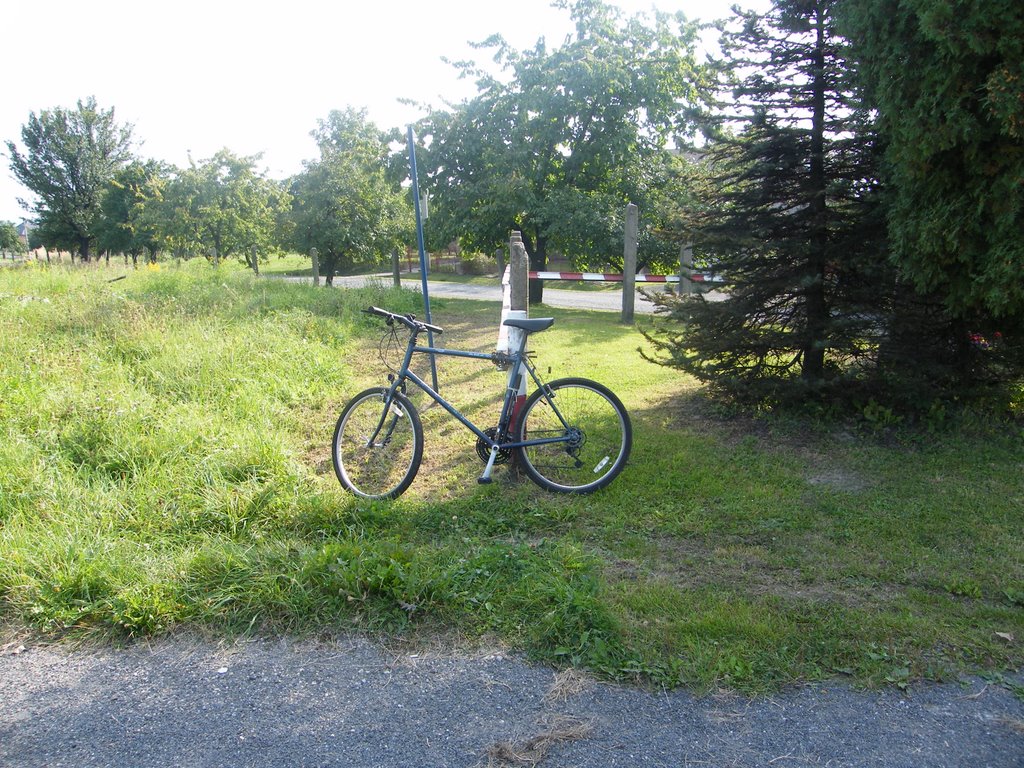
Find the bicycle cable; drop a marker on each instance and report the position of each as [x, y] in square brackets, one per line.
[389, 345]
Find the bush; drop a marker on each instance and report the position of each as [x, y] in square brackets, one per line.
[476, 264]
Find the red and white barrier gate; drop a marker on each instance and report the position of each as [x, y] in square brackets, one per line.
[605, 277]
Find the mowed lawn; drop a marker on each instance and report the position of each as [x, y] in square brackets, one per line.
[165, 466]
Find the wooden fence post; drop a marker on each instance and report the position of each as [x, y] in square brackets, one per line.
[313, 254]
[629, 263]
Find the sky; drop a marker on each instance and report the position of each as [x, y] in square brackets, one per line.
[195, 76]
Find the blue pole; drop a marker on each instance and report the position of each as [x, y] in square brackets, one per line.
[423, 250]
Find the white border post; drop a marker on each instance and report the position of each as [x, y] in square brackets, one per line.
[519, 297]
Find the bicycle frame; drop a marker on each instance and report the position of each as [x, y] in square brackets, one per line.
[518, 361]
[570, 435]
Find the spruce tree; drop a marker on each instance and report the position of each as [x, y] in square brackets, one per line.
[794, 222]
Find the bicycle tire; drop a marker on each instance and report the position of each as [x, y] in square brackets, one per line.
[384, 470]
[602, 436]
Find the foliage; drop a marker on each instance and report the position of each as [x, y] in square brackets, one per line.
[124, 226]
[563, 139]
[792, 218]
[9, 240]
[69, 158]
[947, 80]
[345, 204]
[220, 208]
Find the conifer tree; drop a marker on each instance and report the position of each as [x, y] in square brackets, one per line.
[794, 224]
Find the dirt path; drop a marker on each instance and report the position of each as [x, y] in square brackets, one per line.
[267, 703]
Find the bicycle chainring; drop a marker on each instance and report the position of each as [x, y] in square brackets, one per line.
[484, 451]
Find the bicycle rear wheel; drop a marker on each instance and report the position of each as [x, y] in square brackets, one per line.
[598, 431]
[384, 467]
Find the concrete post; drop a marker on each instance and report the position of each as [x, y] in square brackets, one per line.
[629, 263]
[255, 260]
[520, 274]
[316, 265]
[396, 268]
[216, 257]
[500, 256]
[686, 286]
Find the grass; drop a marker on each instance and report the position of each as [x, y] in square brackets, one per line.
[164, 464]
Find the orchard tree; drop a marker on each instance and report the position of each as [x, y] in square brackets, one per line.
[792, 221]
[221, 208]
[346, 204]
[123, 226]
[558, 143]
[69, 156]
[10, 242]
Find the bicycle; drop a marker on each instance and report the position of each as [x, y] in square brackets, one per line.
[571, 435]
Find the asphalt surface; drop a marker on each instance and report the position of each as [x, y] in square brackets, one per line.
[273, 703]
[605, 301]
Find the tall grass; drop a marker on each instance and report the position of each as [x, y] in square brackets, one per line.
[164, 463]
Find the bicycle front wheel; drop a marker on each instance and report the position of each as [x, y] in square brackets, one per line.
[377, 452]
[593, 432]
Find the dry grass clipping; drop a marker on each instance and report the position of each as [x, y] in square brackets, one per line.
[567, 683]
[1017, 726]
[555, 729]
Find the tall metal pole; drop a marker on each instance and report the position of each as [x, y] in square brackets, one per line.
[423, 250]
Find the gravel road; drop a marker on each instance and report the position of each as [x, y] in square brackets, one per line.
[349, 703]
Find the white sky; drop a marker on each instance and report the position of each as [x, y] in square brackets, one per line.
[196, 76]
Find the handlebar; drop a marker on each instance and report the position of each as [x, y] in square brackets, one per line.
[409, 321]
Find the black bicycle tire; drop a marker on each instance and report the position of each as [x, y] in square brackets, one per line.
[345, 477]
[526, 455]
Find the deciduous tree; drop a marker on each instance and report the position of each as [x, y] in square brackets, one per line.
[68, 158]
[9, 240]
[222, 207]
[345, 204]
[123, 226]
[563, 138]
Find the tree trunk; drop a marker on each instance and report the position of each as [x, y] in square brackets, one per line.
[327, 268]
[816, 302]
[537, 250]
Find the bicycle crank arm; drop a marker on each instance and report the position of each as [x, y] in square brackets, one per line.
[485, 478]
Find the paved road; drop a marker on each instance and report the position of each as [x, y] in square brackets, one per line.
[607, 301]
[348, 703]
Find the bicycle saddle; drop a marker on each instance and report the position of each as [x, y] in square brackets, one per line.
[530, 325]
